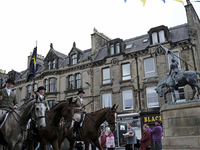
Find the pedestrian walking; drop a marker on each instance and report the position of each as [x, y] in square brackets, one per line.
[110, 140]
[103, 140]
[145, 141]
[130, 137]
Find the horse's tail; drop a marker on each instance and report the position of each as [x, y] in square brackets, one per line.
[198, 72]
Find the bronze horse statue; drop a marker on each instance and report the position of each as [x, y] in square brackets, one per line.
[186, 77]
[14, 130]
[50, 134]
[90, 131]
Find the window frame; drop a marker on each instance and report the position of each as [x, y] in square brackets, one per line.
[112, 48]
[155, 104]
[78, 80]
[49, 65]
[110, 98]
[54, 85]
[145, 72]
[103, 76]
[54, 64]
[51, 105]
[123, 72]
[73, 59]
[71, 81]
[123, 96]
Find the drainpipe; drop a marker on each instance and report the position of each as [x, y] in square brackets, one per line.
[138, 81]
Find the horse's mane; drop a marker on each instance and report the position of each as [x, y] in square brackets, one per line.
[58, 104]
[96, 111]
[25, 103]
[162, 82]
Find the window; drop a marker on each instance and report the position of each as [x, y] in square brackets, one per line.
[46, 83]
[112, 51]
[51, 103]
[49, 65]
[106, 76]
[107, 100]
[149, 67]
[74, 59]
[126, 74]
[35, 87]
[78, 80]
[52, 85]
[71, 82]
[54, 64]
[154, 38]
[161, 36]
[152, 97]
[128, 46]
[117, 48]
[29, 90]
[127, 100]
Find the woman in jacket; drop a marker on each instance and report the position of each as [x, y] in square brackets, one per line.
[103, 140]
[146, 138]
[110, 140]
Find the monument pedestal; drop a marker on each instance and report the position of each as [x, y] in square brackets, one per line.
[181, 125]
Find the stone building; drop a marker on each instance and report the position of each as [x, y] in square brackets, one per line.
[119, 71]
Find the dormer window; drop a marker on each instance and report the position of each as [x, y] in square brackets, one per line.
[49, 65]
[158, 34]
[74, 59]
[117, 48]
[112, 51]
[54, 64]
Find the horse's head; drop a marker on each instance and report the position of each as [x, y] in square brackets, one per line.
[159, 90]
[68, 112]
[38, 114]
[111, 118]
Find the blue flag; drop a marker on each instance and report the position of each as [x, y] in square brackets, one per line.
[163, 1]
[196, 1]
[32, 68]
[125, 1]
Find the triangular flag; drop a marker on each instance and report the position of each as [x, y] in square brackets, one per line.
[163, 1]
[180, 1]
[125, 1]
[144, 1]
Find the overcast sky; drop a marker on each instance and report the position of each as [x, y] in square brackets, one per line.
[63, 22]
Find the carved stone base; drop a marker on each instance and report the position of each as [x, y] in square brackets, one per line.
[181, 125]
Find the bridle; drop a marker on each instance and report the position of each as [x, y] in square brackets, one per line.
[111, 111]
[37, 117]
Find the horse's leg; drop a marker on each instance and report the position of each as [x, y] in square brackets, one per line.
[71, 143]
[165, 99]
[86, 142]
[11, 146]
[96, 142]
[194, 91]
[55, 145]
[43, 144]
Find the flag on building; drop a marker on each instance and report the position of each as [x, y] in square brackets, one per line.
[180, 1]
[32, 67]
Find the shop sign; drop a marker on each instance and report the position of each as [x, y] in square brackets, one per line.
[151, 119]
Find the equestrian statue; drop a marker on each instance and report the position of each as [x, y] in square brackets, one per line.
[177, 78]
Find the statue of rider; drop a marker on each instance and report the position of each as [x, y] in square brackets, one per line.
[174, 71]
[79, 110]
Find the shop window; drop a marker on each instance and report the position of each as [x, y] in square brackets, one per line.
[152, 97]
[127, 100]
[149, 67]
[107, 100]
[106, 75]
[126, 74]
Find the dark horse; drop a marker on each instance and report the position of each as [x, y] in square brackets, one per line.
[91, 127]
[14, 129]
[50, 134]
[187, 77]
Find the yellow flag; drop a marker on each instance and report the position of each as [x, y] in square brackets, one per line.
[144, 1]
[180, 1]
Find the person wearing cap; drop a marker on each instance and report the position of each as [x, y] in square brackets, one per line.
[7, 98]
[156, 134]
[78, 111]
[41, 91]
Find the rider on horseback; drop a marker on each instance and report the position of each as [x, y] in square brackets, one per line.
[174, 71]
[7, 98]
[78, 111]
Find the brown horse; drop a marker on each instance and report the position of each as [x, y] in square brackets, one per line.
[91, 127]
[51, 132]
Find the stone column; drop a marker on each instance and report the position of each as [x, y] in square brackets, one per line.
[181, 125]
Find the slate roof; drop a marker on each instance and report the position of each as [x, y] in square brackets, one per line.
[59, 54]
[85, 55]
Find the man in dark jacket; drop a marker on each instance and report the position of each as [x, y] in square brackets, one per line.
[7, 98]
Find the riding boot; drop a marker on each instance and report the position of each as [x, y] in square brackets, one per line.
[76, 124]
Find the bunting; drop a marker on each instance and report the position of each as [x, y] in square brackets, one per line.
[144, 1]
[180, 1]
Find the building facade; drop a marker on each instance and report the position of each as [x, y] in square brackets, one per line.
[117, 71]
